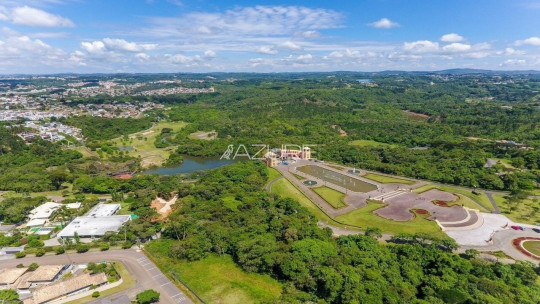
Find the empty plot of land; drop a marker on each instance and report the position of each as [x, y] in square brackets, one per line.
[203, 135]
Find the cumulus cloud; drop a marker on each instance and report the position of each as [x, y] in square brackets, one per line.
[120, 45]
[269, 50]
[456, 47]
[535, 41]
[384, 23]
[421, 46]
[452, 37]
[347, 53]
[513, 62]
[289, 45]
[30, 16]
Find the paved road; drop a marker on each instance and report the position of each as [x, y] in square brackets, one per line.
[493, 203]
[271, 183]
[144, 271]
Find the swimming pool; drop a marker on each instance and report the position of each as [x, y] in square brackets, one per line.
[338, 179]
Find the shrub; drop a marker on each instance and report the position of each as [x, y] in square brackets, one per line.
[81, 248]
[104, 247]
[95, 294]
[33, 266]
[20, 255]
[40, 252]
[127, 245]
[148, 296]
[60, 250]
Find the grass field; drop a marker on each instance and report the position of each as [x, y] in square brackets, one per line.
[532, 246]
[387, 179]
[526, 211]
[365, 217]
[298, 177]
[272, 174]
[127, 282]
[369, 143]
[142, 143]
[217, 279]
[331, 196]
[284, 188]
[466, 196]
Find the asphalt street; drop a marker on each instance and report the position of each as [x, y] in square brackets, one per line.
[143, 270]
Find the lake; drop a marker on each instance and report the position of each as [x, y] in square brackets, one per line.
[191, 164]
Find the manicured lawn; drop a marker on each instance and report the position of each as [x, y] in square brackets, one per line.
[298, 176]
[126, 283]
[522, 212]
[532, 246]
[466, 196]
[217, 279]
[364, 217]
[369, 143]
[333, 197]
[284, 188]
[142, 143]
[272, 174]
[387, 179]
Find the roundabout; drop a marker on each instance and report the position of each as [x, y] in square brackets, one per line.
[529, 246]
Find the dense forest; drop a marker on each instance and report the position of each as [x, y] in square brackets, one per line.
[228, 212]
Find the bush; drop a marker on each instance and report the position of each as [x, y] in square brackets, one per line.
[104, 247]
[148, 296]
[127, 245]
[20, 255]
[40, 252]
[33, 267]
[81, 248]
[60, 250]
[95, 294]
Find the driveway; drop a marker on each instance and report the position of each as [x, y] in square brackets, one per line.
[144, 271]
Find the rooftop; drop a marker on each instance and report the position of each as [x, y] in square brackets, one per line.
[104, 210]
[44, 210]
[10, 275]
[90, 226]
[58, 289]
[45, 273]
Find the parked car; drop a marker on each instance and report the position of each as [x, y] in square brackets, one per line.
[521, 228]
[515, 227]
[536, 230]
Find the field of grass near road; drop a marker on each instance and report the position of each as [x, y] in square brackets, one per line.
[127, 282]
[285, 188]
[526, 211]
[387, 179]
[369, 143]
[333, 197]
[272, 174]
[142, 143]
[532, 246]
[466, 196]
[364, 217]
[217, 279]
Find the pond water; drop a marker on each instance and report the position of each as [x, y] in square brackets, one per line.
[191, 164]
[125, 148]
[338, 179]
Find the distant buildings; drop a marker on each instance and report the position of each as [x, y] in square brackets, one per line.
[44, 211]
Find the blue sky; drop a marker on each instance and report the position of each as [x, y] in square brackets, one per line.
[52, 36]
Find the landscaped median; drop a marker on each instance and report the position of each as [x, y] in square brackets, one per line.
[529, 246]
[331, 196]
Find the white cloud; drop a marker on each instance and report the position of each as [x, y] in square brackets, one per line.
[289, 45]
[93, 47]
[384, 23]
[452, 37]
[269, 50]
[535, 41]
[123, 45]
[513, 62]
[142, 56]
[30, 16]
[3, 14]
[421, 46]
[347, 53]
[210, 54]
[456, 47]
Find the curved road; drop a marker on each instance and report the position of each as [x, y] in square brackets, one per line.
[143, 270]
